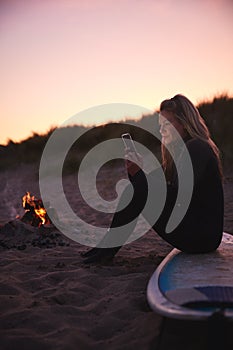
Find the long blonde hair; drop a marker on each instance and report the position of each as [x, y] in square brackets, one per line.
[188, 115]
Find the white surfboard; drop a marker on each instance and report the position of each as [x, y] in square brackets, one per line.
[194, 286]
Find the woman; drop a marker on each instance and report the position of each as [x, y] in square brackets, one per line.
[200, 230]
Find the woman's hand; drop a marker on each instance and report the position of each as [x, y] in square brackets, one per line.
[133, 162]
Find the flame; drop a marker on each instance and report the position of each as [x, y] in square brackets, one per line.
[28, 199]
[41, 213]
[30, 203]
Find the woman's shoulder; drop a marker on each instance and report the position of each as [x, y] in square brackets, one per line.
[199, 147]
[199, 144]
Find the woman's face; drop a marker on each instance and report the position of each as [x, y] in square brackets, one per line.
[168, 122]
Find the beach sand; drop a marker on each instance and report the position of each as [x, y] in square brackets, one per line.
[50, 300]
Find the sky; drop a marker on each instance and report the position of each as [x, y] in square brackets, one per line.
[60, 57]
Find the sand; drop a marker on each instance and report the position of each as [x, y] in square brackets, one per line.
[50, 300]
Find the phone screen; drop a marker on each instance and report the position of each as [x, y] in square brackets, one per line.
[128, 142]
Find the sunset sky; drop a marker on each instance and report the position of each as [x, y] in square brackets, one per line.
[59, 57]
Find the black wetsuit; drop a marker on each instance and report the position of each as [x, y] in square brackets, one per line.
[201, 228]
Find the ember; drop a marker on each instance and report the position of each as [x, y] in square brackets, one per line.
[35, 213]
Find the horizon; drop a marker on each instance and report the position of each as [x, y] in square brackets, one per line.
[106, 122]
[63, 57]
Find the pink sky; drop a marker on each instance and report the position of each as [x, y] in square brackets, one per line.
[59, 57]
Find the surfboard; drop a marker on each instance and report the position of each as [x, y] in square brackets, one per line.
[194, 286]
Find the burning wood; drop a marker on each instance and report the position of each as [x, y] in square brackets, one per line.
[35, 213]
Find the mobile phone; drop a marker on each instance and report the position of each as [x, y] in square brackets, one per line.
[128, 142]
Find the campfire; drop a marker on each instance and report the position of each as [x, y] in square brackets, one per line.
[35, 213]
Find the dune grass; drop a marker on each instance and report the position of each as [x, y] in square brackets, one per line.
[218, 114]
